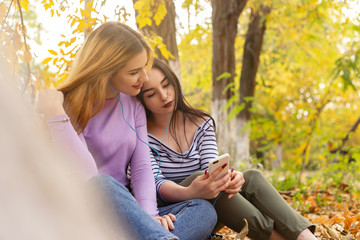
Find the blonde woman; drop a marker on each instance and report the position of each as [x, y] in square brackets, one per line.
[96, 116]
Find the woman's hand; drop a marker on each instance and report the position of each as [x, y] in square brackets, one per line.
[206, 187]
[236, 182]
[167, 221]
[51, 103]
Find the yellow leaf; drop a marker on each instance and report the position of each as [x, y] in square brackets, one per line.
[89, 4]
[72, 40]
[141, 22]
[46, 60]
[47, 6]
[27, 56]
[72, 23]
[139, 5]
[47, 80]
[25, 4]
[148, 21]
[160, 13]
[87, 13]
[52, 52]
[81, 26]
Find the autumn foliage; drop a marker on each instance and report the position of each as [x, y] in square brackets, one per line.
[304, 114]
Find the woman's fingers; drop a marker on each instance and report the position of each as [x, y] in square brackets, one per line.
[214, 174]
[167, 221]
[172, 216]
[237, 180]
[163, 222]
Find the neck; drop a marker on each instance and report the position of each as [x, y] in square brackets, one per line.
[109, 93]
[159, 121]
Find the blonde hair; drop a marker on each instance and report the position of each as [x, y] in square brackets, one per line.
[104, 53]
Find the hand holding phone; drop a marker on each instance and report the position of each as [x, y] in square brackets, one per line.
[219, 162]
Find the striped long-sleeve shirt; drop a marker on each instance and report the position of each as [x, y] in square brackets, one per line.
[176, 166]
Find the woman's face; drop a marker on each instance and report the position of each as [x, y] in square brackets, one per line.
[158, 93]
[131, 77]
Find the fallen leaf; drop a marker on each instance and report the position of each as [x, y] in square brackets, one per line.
[242, 234]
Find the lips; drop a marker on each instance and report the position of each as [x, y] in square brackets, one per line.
[137, 86]
[169, 104]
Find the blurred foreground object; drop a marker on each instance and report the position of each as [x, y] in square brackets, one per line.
[41, 198]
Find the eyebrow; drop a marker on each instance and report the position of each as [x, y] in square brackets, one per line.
[137, 69]
[149, 89]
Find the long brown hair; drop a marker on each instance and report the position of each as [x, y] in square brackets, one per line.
[181, 105]
[104, 53]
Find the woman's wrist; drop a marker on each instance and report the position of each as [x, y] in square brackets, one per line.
[189, 192]
[51, 113]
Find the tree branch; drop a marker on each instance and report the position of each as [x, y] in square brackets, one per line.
[7, 14]
[26, 48]
[346, 138]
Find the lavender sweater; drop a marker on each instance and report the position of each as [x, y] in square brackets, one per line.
[107, 145]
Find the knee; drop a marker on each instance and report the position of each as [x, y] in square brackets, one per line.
[207, 209]
[252, 174]
[253, 177]
[102, 179]
[106, 183]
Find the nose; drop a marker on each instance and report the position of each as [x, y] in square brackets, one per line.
[144, 76]
[163, 94]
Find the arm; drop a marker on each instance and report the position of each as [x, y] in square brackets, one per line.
[142, 180]
[207, 145]
[208, 151]
[203, 186]
[62, 132]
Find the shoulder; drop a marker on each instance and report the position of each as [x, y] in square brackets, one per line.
[131, 102]
[131, 105]
[207, 124]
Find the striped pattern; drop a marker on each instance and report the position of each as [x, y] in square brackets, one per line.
[176, 166]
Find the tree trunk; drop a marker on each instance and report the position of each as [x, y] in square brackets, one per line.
[252, 49]
[279, 157]
[167, 31]
[225, 17]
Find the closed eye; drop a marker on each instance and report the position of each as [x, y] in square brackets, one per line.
[151, 95]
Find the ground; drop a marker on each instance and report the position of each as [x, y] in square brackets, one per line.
[335, 212]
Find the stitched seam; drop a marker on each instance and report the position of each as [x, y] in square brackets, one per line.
[185, 208]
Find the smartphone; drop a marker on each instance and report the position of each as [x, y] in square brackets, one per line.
[218, 162]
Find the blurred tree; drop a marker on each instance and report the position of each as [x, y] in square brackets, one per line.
[156, 20]
[250, 63]
[225, 19]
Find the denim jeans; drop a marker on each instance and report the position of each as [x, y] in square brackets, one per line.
[195, 218]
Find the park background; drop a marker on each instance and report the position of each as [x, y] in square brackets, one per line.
[280, 78]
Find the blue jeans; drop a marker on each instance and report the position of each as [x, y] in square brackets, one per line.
[195, 219]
